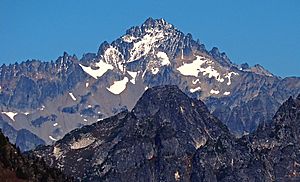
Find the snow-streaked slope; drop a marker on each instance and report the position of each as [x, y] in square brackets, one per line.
[143, 46]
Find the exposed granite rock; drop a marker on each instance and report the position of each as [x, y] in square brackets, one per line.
[171, 137]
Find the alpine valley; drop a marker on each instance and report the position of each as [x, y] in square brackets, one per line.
[41, 102]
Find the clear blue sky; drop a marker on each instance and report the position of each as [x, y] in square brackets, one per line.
[257, 31]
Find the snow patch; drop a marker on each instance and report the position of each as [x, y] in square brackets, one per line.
[87, 84]
[82, 143]
[26, 113]
[11, 115]
[95, 73]
[211, 72]
[118, 86]
[154, 71]
[194, 68]
[195, 89]
[195, 81]
[229, 77]
[55, 124]
[42, 108]
[191, 69]
[133, 75]
[212, 91]
[164, 58]
[226, 93]
[52, 138]
[72, 96]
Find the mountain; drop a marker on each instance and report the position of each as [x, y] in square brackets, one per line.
[49, 99]
[279, 143]
[16, 167]
[154, 142]
[171, 137]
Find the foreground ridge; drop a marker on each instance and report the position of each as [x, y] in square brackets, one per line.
[169, 136]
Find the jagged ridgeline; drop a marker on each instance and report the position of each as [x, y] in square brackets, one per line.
[16, 167]
[42, 101]
[169, 136]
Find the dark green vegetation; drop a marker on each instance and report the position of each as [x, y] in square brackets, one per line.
[16, 167]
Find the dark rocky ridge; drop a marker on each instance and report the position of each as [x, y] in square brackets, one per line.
[16, 167]
[171, 137]
[153, 142]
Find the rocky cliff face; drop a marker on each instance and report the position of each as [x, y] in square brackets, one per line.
[171, 137]
[154, 142]
[50, 99]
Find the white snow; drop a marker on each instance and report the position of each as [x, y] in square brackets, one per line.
[26, 113]
[72, 96]
[42, 108]
[194, 68]
[118, 86]
[195, 81]
[84, 119]
[133, 75]
[144, 46]
[211, 73]
[87, 84]
[195, 89]
[181, 53]
[164, 58]
[191, 69]
[11, 115]
[95, 73]
[154, 71]
[52, 138]
[146, 88]
[229, 77]
[55, 124]
[226, 93]
[82, 143]
[214, 91]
